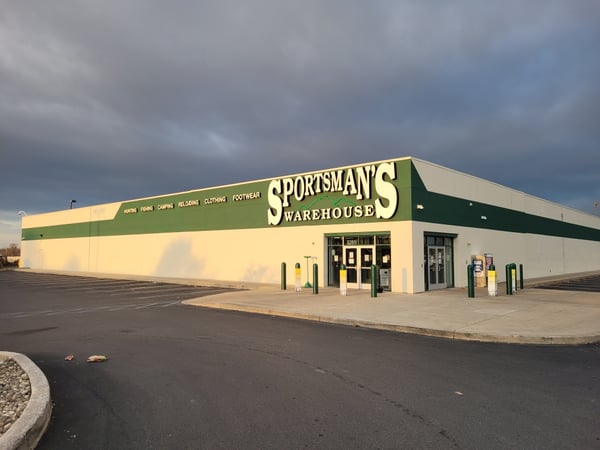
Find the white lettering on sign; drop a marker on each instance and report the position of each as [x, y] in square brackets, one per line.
[166, 206]
[130, 211]
[356, 182]
[147, 208]
[187, 203]
[215, 200]
[246, 196]
[328, 213]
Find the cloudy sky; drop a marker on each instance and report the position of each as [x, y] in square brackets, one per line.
[110, 100]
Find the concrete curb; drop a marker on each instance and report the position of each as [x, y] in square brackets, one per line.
[446, 334]
[27, 431]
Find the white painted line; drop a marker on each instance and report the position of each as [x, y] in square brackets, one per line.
[170, 304]
[147, 305]
[130, 306]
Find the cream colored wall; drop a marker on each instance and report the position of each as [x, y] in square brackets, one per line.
[541, 256]
[457, 184]
[253, 255]
[404, 259]
[256, 255]
[77, 215]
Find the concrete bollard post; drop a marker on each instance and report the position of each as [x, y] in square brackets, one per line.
[492, 285]
[298, 277]
[343, 280]
[513, 276]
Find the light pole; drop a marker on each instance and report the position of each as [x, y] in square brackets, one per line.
[72, 201]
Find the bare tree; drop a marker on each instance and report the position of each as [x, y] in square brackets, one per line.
[11, 250]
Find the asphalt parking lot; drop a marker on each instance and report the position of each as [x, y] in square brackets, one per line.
[178, 376]
[95, 294]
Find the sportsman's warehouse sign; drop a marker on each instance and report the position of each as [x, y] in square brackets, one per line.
[349, 194]
[371, 185]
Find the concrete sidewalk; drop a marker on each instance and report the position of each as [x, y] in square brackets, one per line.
[531, 316]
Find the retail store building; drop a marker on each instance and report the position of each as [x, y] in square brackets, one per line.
[420, 223]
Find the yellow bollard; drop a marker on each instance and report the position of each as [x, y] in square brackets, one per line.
[298, 277]
[343, 280]
[492, 286]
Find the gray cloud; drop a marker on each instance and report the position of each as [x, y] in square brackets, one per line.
[108, 101]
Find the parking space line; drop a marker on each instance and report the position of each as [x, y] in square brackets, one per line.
[147, 305]
[170, 304]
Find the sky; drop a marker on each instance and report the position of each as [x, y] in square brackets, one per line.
[104, 101]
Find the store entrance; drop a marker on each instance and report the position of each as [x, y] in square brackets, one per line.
[358, 253]
[436, 267]
[438, 262]
[358, 262]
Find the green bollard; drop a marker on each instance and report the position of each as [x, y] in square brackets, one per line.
[374, 279]
[315, 279]
[511, 278]
[283, 277]
[521, 281]
[471, 281]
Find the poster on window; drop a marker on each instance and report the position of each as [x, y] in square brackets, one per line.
[478, 267]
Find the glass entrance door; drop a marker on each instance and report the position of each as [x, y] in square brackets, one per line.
[358, 253]
[358, 262]
[436, 266]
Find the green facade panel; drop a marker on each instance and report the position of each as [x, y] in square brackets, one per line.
[375, 192]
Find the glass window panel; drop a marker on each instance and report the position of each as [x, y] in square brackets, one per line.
[334, 240]
[383, 239]
[366, 240]
[384, 256]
